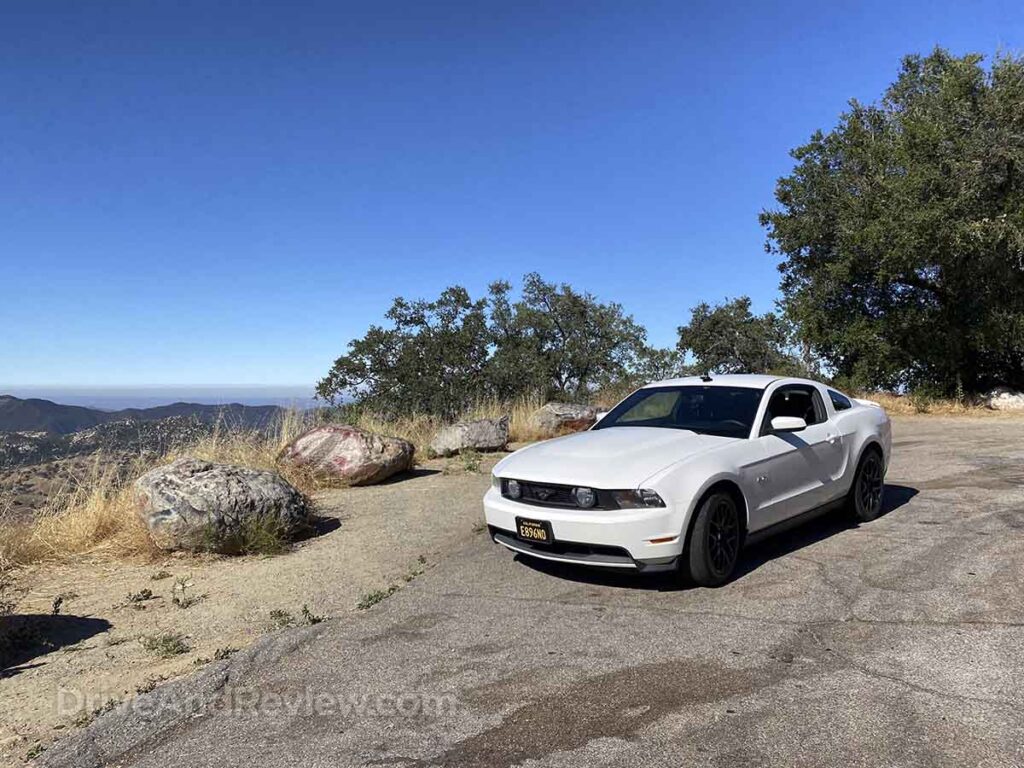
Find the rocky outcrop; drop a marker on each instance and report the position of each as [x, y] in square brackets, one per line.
[348, 455]
[1005, 399]
[558, 418]
[479, 435]
[194, 504]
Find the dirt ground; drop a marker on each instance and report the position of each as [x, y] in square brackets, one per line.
[371, 539]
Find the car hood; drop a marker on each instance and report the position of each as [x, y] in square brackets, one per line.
[618, 457]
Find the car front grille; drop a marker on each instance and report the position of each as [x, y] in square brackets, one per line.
[545, 495]
[548, 495]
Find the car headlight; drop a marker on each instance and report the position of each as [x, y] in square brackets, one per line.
[644, 497]
[496, 482]
[585, 497]
[513, 489]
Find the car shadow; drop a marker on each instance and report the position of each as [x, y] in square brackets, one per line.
[23, 637]
[815, 529]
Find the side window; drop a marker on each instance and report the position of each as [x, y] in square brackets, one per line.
[799, 401]
[839, 402]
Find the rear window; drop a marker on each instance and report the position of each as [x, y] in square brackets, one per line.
[839, 402]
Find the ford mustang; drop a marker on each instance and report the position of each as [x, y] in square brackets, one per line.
[682, 473]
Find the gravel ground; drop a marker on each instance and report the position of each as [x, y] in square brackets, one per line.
[899, 642]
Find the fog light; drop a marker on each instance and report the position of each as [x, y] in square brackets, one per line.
[585, 497]
[515, 490]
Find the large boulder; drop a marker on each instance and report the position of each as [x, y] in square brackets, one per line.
[480, 435]
[1005, 399]
[558, 418]
[194, 504]
[348, 455]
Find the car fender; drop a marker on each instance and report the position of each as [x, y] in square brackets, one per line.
[683, 484]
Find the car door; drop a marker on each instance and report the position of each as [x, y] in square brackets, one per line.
[798, 470]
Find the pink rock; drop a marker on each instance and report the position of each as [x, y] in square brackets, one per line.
[348, 455]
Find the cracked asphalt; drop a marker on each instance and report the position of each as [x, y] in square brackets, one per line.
[897, 643]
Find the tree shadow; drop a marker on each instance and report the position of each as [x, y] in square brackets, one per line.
[23, 637]
[823, 525]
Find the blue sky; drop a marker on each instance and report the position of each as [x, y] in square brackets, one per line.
[226, 192]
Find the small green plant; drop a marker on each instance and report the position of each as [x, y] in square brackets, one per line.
[200, 661]
[224, 653]
[921, 401]
[148, 684]
[280, 618]
[139, 597]
[255, 536]
[166, 645]
[479, 527]
[179, 593]
[471, 459]
[161, 575]
[35, 751]
[309, 617]
[370, 599]
[7, 600]
[59, 600]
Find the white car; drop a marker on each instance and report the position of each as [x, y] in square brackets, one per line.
[684, 472]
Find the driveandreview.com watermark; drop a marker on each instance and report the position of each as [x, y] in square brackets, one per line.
[248, 702]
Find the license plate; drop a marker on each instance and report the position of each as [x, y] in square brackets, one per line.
[537, 531]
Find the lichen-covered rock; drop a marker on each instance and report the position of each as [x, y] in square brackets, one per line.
[480, 435]
[557, 418]
[348, 455]
[1005, 399]
[194, 504]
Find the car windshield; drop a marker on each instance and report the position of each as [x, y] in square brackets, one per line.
[709, 410]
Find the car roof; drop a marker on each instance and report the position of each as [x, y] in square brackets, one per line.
[751, 380]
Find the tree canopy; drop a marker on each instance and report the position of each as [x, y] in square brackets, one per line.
[901, 231]
[729, 338]
[440, 356]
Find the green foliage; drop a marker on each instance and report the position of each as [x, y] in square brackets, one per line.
[440, 357]
[728, 338]
[260, 535]
[370, 599]
[166, 645]
[432, 360]
[558, 340]
[901, 231]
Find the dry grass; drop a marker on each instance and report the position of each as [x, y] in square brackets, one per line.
[520, 412]
[94, 515]
[257, 449]
[418, 429]
[917, 405]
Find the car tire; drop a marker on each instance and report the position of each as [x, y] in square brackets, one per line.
[715, 540]
[866, 494]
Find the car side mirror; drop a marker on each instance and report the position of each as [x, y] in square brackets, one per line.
[788, 424]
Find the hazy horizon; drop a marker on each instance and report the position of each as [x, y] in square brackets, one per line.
[118, 397]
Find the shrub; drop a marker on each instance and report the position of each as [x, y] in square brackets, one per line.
[166, 645]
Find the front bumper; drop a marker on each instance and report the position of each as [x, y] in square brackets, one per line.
[618, 539]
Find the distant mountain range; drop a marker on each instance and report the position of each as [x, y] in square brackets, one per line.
[34, 415]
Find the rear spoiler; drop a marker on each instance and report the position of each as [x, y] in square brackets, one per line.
[872, 403]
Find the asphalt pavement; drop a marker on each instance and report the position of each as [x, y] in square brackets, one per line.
[899, 642]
